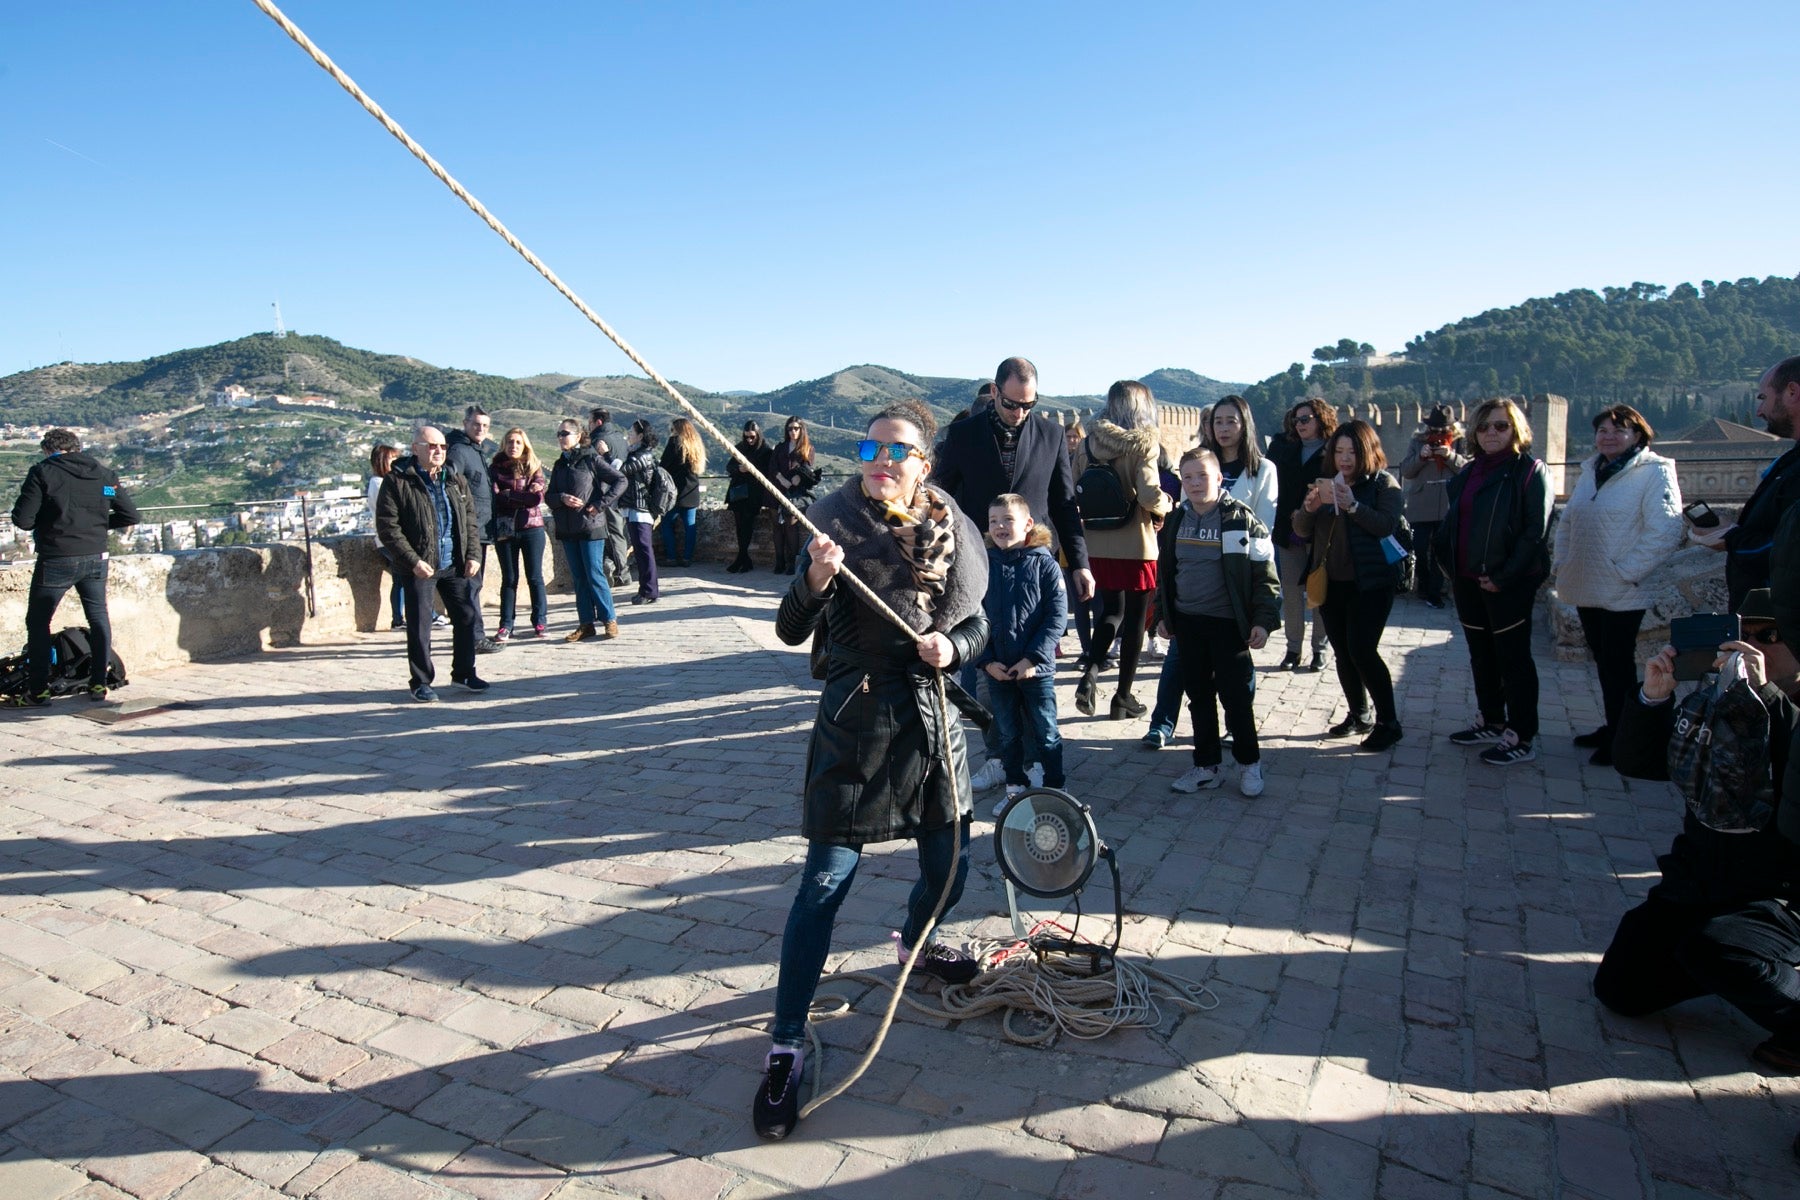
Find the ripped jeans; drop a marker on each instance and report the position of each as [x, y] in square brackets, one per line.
[824, 882]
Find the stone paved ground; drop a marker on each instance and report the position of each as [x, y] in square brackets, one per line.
[301, 937]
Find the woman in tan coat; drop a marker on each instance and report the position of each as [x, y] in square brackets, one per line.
[1122, 556]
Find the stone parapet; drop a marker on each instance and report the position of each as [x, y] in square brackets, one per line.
[230, 601]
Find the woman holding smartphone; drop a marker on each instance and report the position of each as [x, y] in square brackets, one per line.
[1622, 522]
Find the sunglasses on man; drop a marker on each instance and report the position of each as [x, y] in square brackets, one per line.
[869, 450]
[1017, 405]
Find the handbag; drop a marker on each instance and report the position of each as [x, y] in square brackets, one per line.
[1318, 583]
[737, 493]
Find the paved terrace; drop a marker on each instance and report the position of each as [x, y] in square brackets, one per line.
[303, 937]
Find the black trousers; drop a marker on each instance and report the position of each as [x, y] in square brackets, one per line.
[50, 579]
[459, 605]
[1216, 668]
[1355, 619]
[1121, 618]
[1498, 626]
[1665, 953]
[1612, 638]
[746, 530]
[1429, 582]
[475, 586]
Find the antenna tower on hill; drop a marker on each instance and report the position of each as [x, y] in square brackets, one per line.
[280, 329]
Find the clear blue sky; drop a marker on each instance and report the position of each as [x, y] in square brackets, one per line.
[760, 193]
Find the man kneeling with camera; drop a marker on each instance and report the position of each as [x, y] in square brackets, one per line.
[1719, 921]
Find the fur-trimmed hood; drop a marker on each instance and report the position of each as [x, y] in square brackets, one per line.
[853, 521]
[1111, 441]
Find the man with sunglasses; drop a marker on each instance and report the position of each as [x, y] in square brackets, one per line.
[999, 451]
[426, 521]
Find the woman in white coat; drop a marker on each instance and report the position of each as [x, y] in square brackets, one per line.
[1622, 522]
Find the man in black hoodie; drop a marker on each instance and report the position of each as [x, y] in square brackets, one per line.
[467, 453]
[69, 502]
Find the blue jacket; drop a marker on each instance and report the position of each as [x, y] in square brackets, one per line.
[1026, 608]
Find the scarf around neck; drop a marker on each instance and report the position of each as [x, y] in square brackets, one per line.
[932, 572]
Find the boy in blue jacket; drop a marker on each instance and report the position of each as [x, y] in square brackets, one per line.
[1026, 611]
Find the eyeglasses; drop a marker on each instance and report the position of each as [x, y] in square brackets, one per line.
[563, 433]
[870, 451]
[1495, 426]
[1767, 635]
[431, 447]
[1017, 405]
[1299, 419]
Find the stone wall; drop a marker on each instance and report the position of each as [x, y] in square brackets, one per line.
[230, 601]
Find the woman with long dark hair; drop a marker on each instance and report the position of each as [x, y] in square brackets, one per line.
[519, 487]
[1492, 543]
[1300, 459]
[885, 760]
[640, 524]
[1351, 522]
[792, 469]
[1123, 560]
[743, 495]
[684, 458]
[1622, 522]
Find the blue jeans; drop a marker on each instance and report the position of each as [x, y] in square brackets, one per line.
[526, 546]
[396, 586]
[1027, 706]
[684, 518]
[50, 579]
[824, 882]
[1168, 695]
[587, 570]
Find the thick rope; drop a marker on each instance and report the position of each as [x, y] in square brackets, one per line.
[492, 222]
[862, 589]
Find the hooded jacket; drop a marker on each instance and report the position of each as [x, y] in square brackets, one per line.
[1025, 604]
[68, 502]
[406, 518]
[469, 458]
[582, 473]
[1132, 455]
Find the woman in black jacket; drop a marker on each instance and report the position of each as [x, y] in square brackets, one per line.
[1491, 542]
[684, 458]
[743, 495]
[640, 526]
[582, 487]
[1300, 460]
[793, 472]
[886, 760]
[1352, 521]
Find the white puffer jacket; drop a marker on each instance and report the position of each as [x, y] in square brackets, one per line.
[1611, 540]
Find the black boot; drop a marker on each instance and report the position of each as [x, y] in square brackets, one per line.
[1086, 689]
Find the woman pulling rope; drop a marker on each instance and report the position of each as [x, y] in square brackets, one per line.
[885, 760]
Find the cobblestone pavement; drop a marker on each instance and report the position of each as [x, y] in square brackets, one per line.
[302, 936]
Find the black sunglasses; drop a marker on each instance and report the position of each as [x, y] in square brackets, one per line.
[1017, 405]
[870, 450]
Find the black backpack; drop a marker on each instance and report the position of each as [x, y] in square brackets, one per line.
[1101, 496]
[70, 656]
[660, 493]
[1719, 756]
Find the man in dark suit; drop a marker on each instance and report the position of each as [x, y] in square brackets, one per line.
[998, 450]
[1001, 450]
[1748, 543]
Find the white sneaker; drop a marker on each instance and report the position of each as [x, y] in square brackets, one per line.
[1251, 781]
[1012, 789]
[1153, 650]
[991, 775]
[1197, 778]
[1035, 773]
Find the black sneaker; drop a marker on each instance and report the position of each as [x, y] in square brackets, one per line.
[777, 1107]
[95, 691]
[489, 646]
[1478, 734]
[1351, 724]
[1591, 741]
[942, 963]
[474, 683]
[22, 700]
[424, 694]
[1509, 750]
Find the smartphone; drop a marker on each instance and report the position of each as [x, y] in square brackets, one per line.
[1697, 640]
[1700, 516]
